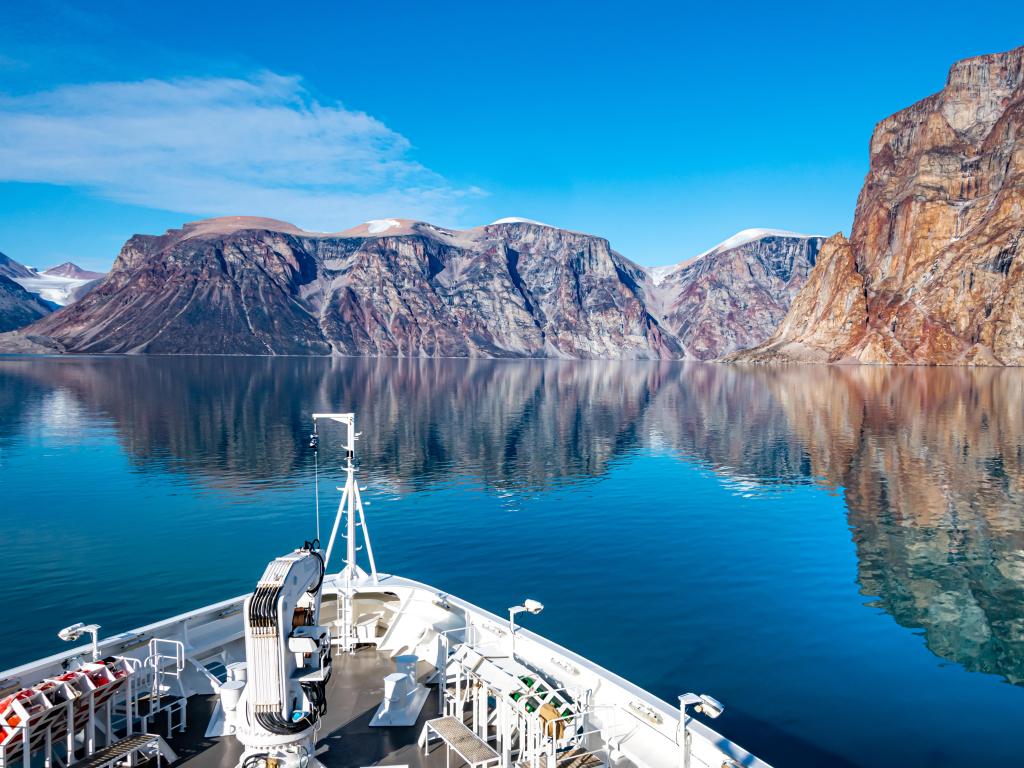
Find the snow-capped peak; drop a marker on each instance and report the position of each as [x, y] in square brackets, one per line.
[748, 236]
[658, 274]
[519, 220]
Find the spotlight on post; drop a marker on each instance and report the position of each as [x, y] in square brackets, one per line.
[75, 631]
[702, 704]
[528, 606]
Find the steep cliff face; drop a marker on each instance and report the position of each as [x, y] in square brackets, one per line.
[395, 287]
[196, 292]
[18, 307]
[938, 236]
[828, 312]
[12, 269]
[734, 296]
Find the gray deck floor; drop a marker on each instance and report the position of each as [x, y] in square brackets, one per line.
[353, 695]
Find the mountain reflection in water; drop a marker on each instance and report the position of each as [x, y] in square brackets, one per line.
[929, 463]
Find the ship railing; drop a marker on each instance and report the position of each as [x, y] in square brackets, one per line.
[444, 653]
[671, 743]
[164, 665]
[606, 733]
[446, 644]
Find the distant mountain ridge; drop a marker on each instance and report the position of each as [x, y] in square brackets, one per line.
[397, 287]
[72, 270]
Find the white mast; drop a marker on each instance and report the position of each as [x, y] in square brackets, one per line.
[352, 504]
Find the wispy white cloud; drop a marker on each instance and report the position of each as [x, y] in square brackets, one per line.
[219, 146]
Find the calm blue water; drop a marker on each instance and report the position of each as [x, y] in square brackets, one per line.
[836, 554]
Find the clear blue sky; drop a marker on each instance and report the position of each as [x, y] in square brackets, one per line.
[661, 127]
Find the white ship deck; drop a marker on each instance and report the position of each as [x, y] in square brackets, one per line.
[353, 695]
[626, 726]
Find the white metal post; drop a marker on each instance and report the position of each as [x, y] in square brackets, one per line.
[684, 732]
[90, 736]
[512, 631]
[334, 530]
[71, 731]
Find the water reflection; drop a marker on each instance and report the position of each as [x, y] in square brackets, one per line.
[930, 462]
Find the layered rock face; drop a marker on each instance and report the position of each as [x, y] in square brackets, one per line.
[238, 293]
[410, 289]
[395, 288]
[938, 237]
[735, 295]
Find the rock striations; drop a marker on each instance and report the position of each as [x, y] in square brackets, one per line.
[393, 287]
[933, 272]
[736, 293]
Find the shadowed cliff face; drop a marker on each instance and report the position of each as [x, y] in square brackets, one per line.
[937, 246]
[930, 462]
[18, 307]
[257, 287]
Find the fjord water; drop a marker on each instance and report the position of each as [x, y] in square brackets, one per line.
[835, 553]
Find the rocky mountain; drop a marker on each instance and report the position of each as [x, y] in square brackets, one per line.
[18, 307]
[394, 287]
[72, 270]
[53, 287]
[735, 294]
[933, 272]
[11, 269]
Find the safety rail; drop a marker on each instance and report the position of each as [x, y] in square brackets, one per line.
[577, 738]
[165, 665]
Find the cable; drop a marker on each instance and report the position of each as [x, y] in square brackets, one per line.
[313, 548]
[251, 760]
[314, 443]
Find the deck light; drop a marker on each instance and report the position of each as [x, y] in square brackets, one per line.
[75, 631]
[703, 704]
[528, 606]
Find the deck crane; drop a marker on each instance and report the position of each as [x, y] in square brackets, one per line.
[275, 711]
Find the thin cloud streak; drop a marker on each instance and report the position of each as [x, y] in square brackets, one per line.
[218, 146]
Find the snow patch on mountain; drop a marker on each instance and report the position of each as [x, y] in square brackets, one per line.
[59, 290]
[743, 237]
[376, 226]
[520, 220]
[748, 236]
